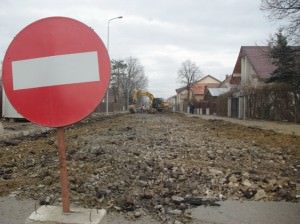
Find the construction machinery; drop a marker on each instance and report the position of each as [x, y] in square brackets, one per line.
[140, 105]
[160, 105]
[152, 105]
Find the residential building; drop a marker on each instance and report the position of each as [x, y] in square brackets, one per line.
[252, 68]
[226, 82]
[197, 93]
[172, 103]
[181, 98]
[198, 89]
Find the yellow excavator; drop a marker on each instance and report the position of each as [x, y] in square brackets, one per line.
[153, 105]
[141, 107]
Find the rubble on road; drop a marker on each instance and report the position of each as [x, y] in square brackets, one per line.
[161, 164]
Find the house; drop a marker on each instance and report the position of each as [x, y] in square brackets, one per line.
[172, 103]
[213, 106]
[253, 65]
[198, 88]
[252, 68]
[214, 100]
[212, 93]
[197, 92]
[181, 98]
[226, 83]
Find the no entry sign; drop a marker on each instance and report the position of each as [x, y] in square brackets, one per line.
[56, 71]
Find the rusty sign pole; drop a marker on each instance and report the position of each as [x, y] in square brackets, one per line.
[64, 182]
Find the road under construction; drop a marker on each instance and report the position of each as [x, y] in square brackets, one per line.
[158, 165]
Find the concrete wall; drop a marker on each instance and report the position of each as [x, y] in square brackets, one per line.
[8, 111]
[242, 107]
[229, 107]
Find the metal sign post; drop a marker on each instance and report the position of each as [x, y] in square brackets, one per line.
[64, 181]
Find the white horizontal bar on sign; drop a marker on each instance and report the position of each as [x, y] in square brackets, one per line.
[55, 70]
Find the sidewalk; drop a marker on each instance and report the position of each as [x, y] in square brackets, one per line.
[13, 211]
[279, 127]
[249, 212]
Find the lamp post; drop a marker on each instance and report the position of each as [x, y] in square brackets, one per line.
[107, 46]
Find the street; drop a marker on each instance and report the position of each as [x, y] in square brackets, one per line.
[159, 165]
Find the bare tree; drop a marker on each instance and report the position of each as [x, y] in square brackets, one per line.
[117, 76]
[285, 10]
[188, 74]
[127, 75]
[134, 78]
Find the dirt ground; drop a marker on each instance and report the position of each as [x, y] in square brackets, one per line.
[155, 164]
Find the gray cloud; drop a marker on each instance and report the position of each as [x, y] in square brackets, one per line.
[161, 34]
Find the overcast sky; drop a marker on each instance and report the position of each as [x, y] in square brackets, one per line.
[160, 33]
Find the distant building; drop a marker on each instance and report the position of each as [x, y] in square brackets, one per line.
[198, 89]
[226, 83]
[197, 93]
[210, 105]
[172, 103]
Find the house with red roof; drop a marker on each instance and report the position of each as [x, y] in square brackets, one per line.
[252, 68]
[198, 91]
[253, 65]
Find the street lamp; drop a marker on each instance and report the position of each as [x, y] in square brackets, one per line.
[107, 46]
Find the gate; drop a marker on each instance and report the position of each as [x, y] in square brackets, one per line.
[234, 107]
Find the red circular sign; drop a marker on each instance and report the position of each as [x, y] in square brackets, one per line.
[56, 71]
